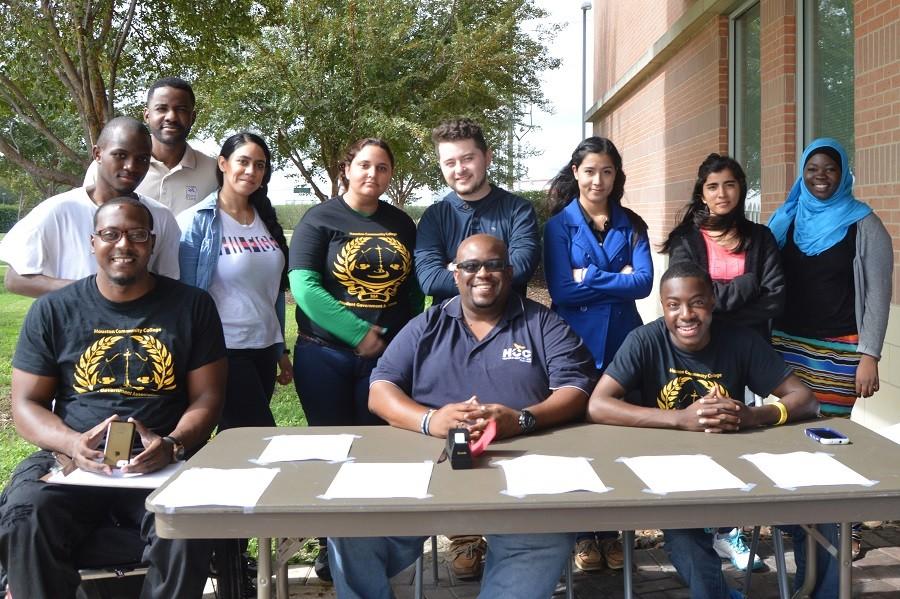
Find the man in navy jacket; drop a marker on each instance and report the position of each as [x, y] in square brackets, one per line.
[474, 206]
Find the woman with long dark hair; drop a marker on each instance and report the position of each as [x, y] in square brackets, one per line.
[597, 263]
[741, 256]
[233, 246]
[742, 260]
[352, 275]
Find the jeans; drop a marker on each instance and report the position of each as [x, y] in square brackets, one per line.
[333, 385]
[525, 566]
[828, 569]
[248, 391]
[691, 552]
[43, 526]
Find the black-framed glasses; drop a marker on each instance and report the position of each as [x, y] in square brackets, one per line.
[112, 235]
[473, 266]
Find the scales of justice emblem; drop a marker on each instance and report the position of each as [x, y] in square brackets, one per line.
[133, 363]
[372, 267]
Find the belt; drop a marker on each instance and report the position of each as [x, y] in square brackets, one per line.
[321, 342]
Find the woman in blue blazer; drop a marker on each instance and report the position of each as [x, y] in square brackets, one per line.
[596, 252]
[597, 263]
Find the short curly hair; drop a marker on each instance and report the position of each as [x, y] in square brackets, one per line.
[459, 129]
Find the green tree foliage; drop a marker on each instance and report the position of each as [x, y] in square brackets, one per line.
[333, 71]
[67, 67]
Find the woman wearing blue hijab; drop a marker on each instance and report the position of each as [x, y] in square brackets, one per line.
[838, 264]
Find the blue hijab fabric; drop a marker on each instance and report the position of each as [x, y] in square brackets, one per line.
[818, 224]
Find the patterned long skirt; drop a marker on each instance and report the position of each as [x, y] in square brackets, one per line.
[827, 366]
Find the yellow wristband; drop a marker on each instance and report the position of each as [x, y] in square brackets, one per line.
[782, 410]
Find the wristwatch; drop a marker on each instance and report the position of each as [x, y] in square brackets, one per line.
[526, 421]
[177, 448]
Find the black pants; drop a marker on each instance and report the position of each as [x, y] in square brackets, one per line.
[43, 526]
[251, 382]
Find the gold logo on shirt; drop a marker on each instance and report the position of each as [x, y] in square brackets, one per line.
[372, 268]
[113, 366]
[675, 394]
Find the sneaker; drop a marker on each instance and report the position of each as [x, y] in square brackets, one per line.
[588, 557]
[321, 566]
[613, 553]
[732, 547]
[467, 556]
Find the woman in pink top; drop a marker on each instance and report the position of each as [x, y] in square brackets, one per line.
[743, 261]
[741, 256]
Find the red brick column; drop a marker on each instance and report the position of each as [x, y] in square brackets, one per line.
[877, 113]
[778, 113]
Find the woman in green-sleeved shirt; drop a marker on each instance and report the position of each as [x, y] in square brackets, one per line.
[351, 270]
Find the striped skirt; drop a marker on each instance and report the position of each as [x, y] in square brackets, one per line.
[827, 366]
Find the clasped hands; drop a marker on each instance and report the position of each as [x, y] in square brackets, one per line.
[86, 453]
[474, 416]
[714, 413]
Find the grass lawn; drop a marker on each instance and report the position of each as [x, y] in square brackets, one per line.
[285, 405]
[12, 312]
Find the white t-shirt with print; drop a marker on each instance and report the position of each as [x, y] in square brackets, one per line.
[246, 284]
[54, 239]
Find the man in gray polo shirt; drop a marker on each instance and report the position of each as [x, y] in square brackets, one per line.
[486, 354]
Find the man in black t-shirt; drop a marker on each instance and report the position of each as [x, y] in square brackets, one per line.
[682, 371]
[122, 344]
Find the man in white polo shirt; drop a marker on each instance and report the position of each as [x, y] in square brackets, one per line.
[51, 246]
[179, 176]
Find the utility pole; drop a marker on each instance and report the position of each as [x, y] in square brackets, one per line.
[585, 6]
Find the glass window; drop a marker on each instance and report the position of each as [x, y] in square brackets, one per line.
[745, 96]
[828, 71]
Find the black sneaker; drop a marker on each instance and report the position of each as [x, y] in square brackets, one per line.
[323, 570]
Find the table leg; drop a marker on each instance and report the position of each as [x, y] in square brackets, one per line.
[809, 581]
[845, 558]
[628, 570]
[264, 569]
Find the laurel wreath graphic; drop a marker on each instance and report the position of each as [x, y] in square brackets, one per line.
[347, 261]
[668, 395]
[163, 368]
[86, 369]
[720, 390]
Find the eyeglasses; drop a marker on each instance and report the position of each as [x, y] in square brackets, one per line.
[114, 235]
[473, 266]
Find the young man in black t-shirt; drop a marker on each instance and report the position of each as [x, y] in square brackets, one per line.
[122, 344]
[682, 371]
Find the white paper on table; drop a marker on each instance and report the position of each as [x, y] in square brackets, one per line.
[891, 432]
[547, 474]
[118, 479]
[241, 487]
[295, 448]
[380, 481]
[805, 469]
[675, 473]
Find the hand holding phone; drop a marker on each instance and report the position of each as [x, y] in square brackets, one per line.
[827, 436]
[119, 442]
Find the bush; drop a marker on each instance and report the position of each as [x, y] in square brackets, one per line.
[290, 214]
[538, 198]
[8, 217]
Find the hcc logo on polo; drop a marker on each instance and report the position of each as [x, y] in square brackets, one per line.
[517, 352]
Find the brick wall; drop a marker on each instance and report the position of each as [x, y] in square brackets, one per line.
[778, 115]
[643, 23]
[877, 164]
[877, 113]
[667, 127]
